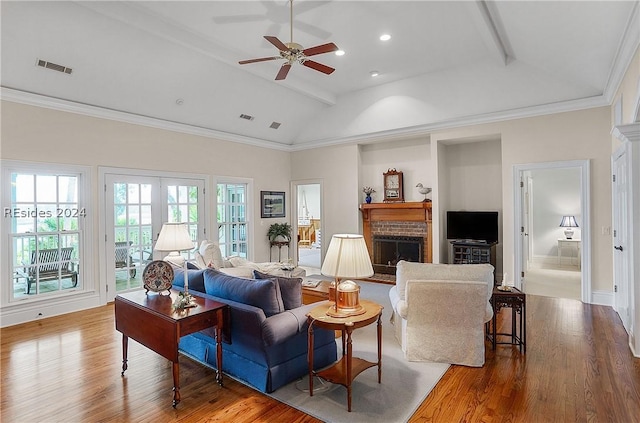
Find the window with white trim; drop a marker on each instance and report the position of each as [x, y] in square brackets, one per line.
[232, 219]
[45, 218]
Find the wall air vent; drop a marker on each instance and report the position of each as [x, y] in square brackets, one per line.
[53, 66]
[247, 117]
[275, 125]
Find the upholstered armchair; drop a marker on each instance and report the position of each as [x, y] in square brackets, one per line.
[439, 311]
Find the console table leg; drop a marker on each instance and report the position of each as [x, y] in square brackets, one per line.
[125, 348]
[219, 352]
[176, 383]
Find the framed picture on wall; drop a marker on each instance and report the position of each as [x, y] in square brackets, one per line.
[272, 204]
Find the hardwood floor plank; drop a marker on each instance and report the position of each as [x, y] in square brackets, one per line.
[578, 367]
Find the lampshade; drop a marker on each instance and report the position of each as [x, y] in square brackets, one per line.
[347, 257]
[174, 237]
[568, 222]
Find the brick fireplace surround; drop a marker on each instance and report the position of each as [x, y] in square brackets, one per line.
[398, 219]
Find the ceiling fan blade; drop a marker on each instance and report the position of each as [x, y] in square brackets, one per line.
[262, 59]
[276, 42]
[318, 66]
[324, 48]
[284, 70]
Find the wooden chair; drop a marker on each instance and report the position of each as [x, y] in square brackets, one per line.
[49, 266]
[123, 258]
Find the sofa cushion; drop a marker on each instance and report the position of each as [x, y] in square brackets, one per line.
[262, 293]
[290, 289]
[196, 278]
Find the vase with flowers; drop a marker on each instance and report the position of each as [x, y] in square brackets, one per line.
[368, 191]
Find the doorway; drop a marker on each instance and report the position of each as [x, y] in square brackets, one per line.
[549, 262]
[136, 206]
[308, 225]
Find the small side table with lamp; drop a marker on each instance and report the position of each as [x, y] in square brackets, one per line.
[347, 257]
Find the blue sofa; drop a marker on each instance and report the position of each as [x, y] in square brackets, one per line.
[268, 347]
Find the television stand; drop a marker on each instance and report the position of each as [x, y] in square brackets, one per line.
[465, 251]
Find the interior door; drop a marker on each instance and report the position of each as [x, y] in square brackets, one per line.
[621, 268]
[308, 224]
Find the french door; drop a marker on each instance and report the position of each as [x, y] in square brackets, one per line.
[136, 208]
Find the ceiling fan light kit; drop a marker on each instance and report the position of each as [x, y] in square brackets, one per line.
[294, 53]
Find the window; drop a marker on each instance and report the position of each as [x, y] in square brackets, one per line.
[46, 220]
[232, 219]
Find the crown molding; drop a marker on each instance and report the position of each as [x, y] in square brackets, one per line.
[628, 46]
[38, 100]
[32, 99]
[627, 133]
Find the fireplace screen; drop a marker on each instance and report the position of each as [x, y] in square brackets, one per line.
[389, 250]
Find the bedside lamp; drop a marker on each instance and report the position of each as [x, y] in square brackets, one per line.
[347, 257]
[568, 222]
[175, 237]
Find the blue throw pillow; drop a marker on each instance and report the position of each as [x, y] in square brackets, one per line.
[196, 278]
[263, 293]
[290, 289]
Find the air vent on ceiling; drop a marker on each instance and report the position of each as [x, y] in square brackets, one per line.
[247, 117]
[53, 66]
[275, 125]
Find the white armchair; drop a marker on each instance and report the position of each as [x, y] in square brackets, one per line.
[439, 311]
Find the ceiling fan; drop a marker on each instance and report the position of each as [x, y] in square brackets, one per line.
[293, 52]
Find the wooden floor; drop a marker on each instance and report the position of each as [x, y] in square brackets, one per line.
[577, 368]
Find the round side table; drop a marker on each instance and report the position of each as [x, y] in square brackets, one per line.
[348, 367]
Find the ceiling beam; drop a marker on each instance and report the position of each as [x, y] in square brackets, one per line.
[491, 30]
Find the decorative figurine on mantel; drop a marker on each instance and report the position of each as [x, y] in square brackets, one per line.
[368, 191]
[424, 191]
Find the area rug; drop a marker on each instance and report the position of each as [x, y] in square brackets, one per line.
[404, 384]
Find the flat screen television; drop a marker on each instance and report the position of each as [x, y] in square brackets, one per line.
[473, 225]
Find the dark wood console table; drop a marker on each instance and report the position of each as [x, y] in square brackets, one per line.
[151, 320]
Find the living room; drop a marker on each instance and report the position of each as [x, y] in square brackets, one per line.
[469, 163]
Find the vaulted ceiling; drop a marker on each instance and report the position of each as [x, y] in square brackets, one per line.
[175, 64]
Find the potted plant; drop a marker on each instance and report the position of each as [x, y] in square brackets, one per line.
[279, 230]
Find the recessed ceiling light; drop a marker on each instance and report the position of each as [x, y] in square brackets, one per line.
[385, 37]
[374, 74]
[339, 52]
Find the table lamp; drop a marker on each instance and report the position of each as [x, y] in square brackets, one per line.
[175, 237]
[347, 257]
[568, 222]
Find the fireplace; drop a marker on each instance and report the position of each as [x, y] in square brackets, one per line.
[389, 250]
[400, 225]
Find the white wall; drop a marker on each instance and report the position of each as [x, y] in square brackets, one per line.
[556, 193]
[411, 157]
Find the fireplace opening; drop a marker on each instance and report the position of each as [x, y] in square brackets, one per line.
[389, 250]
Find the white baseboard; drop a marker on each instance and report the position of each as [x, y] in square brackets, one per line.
[602, 298]
[24, 311]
